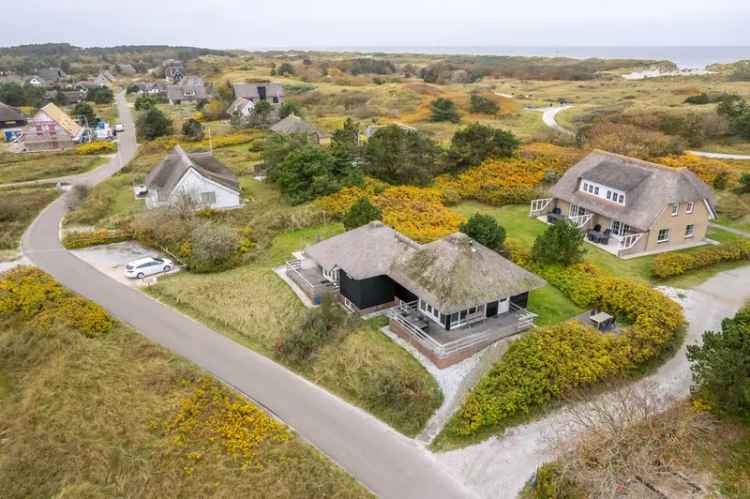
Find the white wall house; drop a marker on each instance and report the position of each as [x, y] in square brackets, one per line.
[199, 176]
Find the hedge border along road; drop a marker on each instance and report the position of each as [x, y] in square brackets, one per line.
[674, 264]
[388, 463]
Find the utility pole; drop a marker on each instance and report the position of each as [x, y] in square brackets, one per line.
[210, 142]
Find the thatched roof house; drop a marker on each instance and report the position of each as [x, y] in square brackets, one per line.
[293, 124]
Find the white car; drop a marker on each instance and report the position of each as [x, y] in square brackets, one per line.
[138, 269]
[119, 128]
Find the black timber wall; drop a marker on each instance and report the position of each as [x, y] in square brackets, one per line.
[367, 293]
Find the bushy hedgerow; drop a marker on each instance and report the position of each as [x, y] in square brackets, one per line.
[673, 264]
[76, 240]
[30, 295]
[549, 362]
[417, 212]
[101, 147]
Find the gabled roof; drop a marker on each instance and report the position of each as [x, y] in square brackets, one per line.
[294, 124]
[453, 273]
[180, 92]
[168, 173]
[648, 187]
[239, 104]
[51, 74]
[253, 90]
[61, 118]
[8, 113]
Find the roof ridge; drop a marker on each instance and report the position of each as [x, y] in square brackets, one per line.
[640, 161]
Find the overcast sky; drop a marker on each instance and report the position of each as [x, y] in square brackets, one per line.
[325, 23]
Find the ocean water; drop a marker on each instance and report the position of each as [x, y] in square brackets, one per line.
[684, 57]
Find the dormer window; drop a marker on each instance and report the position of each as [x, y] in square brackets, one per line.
[675, 209]
[603, 192]
[690, 207]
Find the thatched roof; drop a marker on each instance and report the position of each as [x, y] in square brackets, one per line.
[648, 187]
[168, 173]
[294, 124]
[255, 91]
[452, 274]
[364, 252]
[456, 272]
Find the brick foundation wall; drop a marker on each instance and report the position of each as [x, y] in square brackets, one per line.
[440, 362]
[369, 310]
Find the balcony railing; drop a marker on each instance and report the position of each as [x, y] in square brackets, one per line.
[401, 314]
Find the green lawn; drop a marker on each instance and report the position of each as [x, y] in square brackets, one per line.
[551, 306]
[24, 167]
[520, 227]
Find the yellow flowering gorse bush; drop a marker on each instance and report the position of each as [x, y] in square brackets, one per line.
[211, 413]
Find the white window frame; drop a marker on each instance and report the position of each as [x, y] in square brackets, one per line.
[675, 209]
[689, 231]
[690, 207]
[659, 240]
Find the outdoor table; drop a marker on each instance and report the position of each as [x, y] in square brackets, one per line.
[601, 318]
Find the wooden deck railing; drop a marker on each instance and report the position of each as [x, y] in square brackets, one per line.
[524, 321]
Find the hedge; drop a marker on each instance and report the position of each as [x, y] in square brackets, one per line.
[31, 295]
[76, 240]
[673, 264]
[102, 147]
[550, 362]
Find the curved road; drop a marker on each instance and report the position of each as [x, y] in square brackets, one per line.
[388, 463]
[549, 114]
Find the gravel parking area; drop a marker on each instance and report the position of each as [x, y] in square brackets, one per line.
[111, 259]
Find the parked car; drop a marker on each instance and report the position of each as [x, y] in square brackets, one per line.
[119, 128]
[138, 269]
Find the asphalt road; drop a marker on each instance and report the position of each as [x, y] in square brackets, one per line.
[388, 463]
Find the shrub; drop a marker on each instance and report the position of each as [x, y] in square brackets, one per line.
[213, 247]
[361, 213]
[76, 240]
[319, 328]
[485, 230]
[192, 130]
[444, 110]
[31, 294]
[84, 114]
[100, 95]
[721, 365]
[473, 145]
[562, 243]
[482, 104]
[674, 264]
[401, 156]
[153, 124]
[99, 147]
[720, 181]
[144, 103]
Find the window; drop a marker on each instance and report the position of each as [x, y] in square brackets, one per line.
[621, 199]
[689, 231]
[208, 197]
[609, 195]
[690, 207]
[585, 186]
[663, 236]
[596, 191]
[675, 209]
[472, 310]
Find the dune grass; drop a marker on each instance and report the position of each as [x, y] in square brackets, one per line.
[91, 417]
[26, 167]
[253, 306]
[18, 208]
